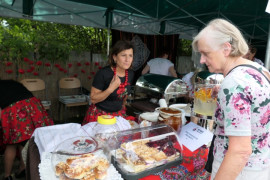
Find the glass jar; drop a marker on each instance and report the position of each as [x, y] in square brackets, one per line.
[174, 122]
[204, 103]
[172, 117]
[105, 128]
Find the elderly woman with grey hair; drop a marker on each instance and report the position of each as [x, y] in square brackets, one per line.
[242, 144]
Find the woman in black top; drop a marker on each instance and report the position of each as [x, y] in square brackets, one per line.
[112, 84]
[21, 113]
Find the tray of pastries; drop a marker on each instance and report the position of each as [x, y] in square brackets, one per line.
[79, 158]
[146, 151]
[86, 166]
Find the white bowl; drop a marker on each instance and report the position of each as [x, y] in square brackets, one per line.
[149, 116]
[185, 107]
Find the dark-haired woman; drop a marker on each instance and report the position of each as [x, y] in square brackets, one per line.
[111, 84]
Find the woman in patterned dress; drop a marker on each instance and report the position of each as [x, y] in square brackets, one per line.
[241, 147]
[21, 113]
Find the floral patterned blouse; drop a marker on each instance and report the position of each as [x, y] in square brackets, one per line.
[243, 109]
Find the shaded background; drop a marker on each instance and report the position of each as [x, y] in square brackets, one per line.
[153, 42]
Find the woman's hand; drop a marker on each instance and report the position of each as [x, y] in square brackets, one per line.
[215, 90]
[98, 95]
[115, 83]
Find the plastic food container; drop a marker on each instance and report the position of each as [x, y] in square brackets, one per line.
[77, 146]
[140, 152]
[105, 128]
[78, 158]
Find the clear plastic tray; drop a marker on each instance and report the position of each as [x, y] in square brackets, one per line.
[78, 158]
[77, 146]
[139, 152]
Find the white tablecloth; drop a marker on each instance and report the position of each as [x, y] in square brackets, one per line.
[47, 138]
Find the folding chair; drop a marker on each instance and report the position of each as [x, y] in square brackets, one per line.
[38, 88]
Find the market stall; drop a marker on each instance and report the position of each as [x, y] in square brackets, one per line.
[187, 164]
[191, 167]
[159, 145]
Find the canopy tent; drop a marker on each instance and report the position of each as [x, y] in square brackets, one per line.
[184, 17]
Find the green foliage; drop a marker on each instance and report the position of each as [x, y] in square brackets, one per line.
[184, 48]
[53, 42]
[15, 43]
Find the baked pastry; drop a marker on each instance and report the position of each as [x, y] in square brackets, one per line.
[89, 155]
[89, 176]
[70, 160]
[100, 174]
[102, 164]
[74, 172]
[86, 167]
[59, 168]
[64, 177]
[160, 156]
[145, 154]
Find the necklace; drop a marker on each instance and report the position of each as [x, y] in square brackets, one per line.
[122, 86]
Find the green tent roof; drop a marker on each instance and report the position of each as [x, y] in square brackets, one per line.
[184, 17]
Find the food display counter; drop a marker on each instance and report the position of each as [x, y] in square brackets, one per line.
[149, 152]
[191, 167]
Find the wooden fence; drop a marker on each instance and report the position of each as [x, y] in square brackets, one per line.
[51, 73]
